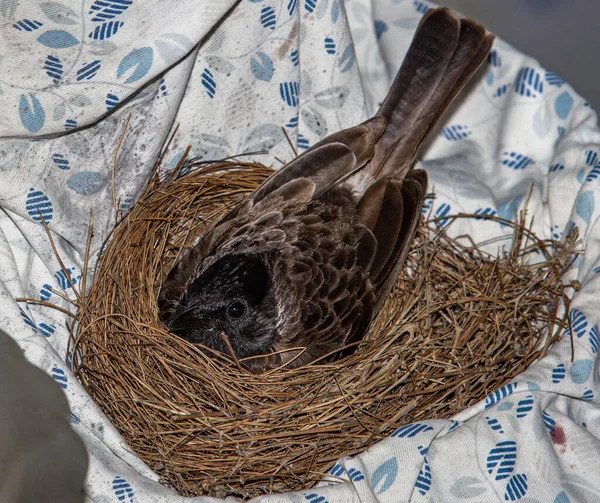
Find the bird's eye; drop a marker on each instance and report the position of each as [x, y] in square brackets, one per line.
[236, 309]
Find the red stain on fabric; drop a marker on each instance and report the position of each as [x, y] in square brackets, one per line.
[559, 438]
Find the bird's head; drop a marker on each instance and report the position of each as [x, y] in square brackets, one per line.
[234, 298]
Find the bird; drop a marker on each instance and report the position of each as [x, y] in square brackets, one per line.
[297, 271]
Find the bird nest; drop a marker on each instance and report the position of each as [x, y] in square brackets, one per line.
[458, 325]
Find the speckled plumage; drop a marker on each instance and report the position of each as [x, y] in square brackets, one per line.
[309, 258]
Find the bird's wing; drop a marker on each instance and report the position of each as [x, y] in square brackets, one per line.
[325, 163]
[443, 56]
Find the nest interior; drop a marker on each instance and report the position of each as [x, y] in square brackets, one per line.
[458, 325]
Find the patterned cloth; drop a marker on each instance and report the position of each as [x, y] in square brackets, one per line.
[73, 71]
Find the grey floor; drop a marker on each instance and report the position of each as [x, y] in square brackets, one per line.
[564, 35]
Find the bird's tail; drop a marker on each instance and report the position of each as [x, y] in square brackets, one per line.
[444, 54]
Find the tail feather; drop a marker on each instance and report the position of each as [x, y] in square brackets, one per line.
[445, 53]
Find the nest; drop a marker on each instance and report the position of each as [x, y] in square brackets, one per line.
[458, 325]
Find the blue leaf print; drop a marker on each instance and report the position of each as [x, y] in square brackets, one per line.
[516, 161]
[60, 161]
[347, 59]
[553, 79]
[268, 18]
[75, 419]
[291, 6]
[27, 25]
[421, 7]
[563, 104]
[337, 470]
[505, 405]
[293, 122]
[315, 498]
[112, 100]
[422, 449]
[593, 174]
[53, 67]
[27, 320]
[456, 132]
[329, 45]
[45, 292]
[516, 487]
[122, 489]
[484, 212]
[507, 209]
[489, 78]
[140, 60]
[38, 206]
[580, 370]
[578, 322]
[423, 483]
[558, 373]
[47, 329]
[499, 394]
[31, 113]
[103, 10]
[494, 424]
[411, 430]
[494, 58]
[528, 82]
[86, 183]
[524, 406]
[105, 30]
[542, 121]
[295, 57]
[380, 28]
[588, 394]
[57, 39]
[60, 377]
[70, 124]
[289, 92]
[502, 90]
[562, 497]
[302, 142]
[594, 339]
[591, 157]
[560, 131]
[332, 98]
[60, 14]
[384, 475]
[310, 5]
[62, 279]
[501, 459]
[161, 92]
[453, 426]
[208, 81]
[335, 11]
[549, 423]
[263, 69]
[88, 70]
[355, 475]
[442, 211]
[427, 206]
[556, 167]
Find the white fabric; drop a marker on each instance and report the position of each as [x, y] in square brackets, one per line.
[291, 63]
